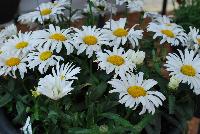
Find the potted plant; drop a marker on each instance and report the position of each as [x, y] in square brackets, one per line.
[65, 79]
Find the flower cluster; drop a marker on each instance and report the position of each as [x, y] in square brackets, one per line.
[114, 48]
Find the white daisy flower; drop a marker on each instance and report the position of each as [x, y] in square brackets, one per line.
[10, 62]
[136, 57]
[45, 11]
[103, 6]
[186, 68]
[55, 38]
[135, 5]
[116, 60]
[87, 9]
[171, 34]
[27, 128]
[121, 2]
[66, 72]
[53, 87]
[194, 38]
[152, 15]
[8, 32]
[22, 42]
[134, 90]
[59, 84]
[61, 3]
[43, 57]
[118, 34]
[76, 16]
[90, 39]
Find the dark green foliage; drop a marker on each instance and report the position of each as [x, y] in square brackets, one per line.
[188, 14]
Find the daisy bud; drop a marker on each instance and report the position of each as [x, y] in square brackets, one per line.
[174, 83]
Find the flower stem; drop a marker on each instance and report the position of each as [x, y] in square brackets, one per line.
[70, 13]
[91, 13]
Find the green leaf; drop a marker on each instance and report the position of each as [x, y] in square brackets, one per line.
[81, 131]
[99, 90]
[53, 116]
[143, 123]
[79, 87]
[117, 119]
[11, 85]
[171, 102]
[5, 99]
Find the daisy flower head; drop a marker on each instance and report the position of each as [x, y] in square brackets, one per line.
[10, 62]
[53, 87]
[135, 90]
[135, 5]
[185, 67]
[66, 71]
[43, 58]
[116, 60]
[194, 38]
[152, 15]
[8, 32]
[76, 16]
[86, 9]
[45, 11]
[137, 57]
[118, 34]
[61, 3]
[58, 84]
[55, 38]
[103, 6]
[121, 2]
[171, 34]
[89, 39]
[22, 42]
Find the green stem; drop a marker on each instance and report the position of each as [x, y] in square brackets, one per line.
[91, 61]
[70, 13]
[91, 13]
[126, 11]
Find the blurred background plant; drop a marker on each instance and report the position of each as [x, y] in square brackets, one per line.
[187, 14]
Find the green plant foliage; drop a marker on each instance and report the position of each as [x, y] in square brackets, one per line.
[188, 14]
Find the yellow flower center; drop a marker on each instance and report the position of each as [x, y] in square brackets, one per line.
[90, 40]
[168, 33]
[116, 60]
[137, 91]
[12, 62]
[188, 70]
[62, 77]
[46, 11]
[120, 32]
[198, 40]
[21, 45]
[45, 55]
[58, 37]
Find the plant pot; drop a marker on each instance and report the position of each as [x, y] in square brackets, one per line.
[5, 125]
